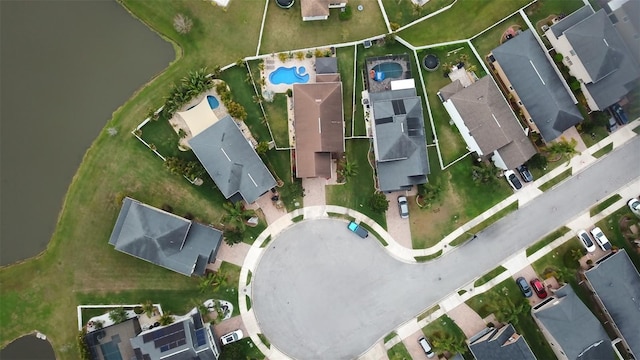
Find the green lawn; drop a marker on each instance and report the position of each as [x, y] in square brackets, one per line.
[284, 29]
[428, 312]
[485, 224]
[355, 193]
[556, 180]
[428, 257]
[545, 8]
[464, 20]
[242, 349]
[547, 240]
[444, 327]
[616, 228]
[604, 204]
[491, 39]
[345, 67]
[560, 261]
[277, 117]
[403, 12]
[490, 275]
[604, 151]
[398, 352]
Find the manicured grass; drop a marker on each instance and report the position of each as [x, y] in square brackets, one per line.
[597, 130]
[547, 240]
[297, 218]
[390, 336]
[241, 349]
[605, 150]
[428, 312]
[441, 327]
[428, 257]
[264, 340]
[345, 67]
[556, 180]
[559, 261]
[636, 129]
[278, 119]
[398, 352]
[358, 189]
[621, 236]
[491, 39]
[465, 19]
[543, 9]
[374, 234]
[161, 134]
[485, 224]
[284, 29]
[604, 204]
[403, 12]
[490, 275]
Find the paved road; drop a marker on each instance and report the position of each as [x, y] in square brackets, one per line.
[319, 292]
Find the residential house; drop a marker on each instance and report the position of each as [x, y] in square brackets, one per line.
[189, 337]
[625, 16]
[164, 239]
[500, 344]
[319, 9]
[615, 282]
[232, 162]
[571, 328]
[487, 123]
[533, 84]
[111, 342]
[318, 121]
[596, 55]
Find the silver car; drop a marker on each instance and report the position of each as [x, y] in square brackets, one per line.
[231, 337]
[403, 207]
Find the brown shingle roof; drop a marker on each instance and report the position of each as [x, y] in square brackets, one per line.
[312, 8]
[319, 127]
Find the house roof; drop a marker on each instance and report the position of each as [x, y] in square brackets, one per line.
[111, 341]
[538, 85]
[574, 327]
[500, 344]
[186, 338]
[326, 65]
[626, 20]
[617, 283]
[231, 161]
[399, 139]
[570, 20]
[319, 127]
[491, 121]
[313, 8]
[164, 239]
[605, 57]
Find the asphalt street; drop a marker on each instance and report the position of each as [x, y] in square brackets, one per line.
[321, 292]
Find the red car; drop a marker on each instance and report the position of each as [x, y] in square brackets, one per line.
[538, 287]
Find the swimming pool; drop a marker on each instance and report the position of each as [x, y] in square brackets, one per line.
[390, 69]
[292, 75]
[213, 102]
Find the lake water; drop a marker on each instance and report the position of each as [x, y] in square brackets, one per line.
[65, 67]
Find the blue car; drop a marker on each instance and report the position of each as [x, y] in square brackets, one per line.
[524, 287]
[619, 114]
[359, 230]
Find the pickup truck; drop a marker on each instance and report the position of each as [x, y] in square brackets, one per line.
[359, 230]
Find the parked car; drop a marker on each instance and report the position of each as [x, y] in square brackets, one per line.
[612, 125]
[231, 337]
[426, 347]
[524, 172]
[524, 287]
[601, 239]
[586, 241]
[359, 230]
[513, 179]
[538, 288]
[618, 112]
[403, 207]
[634, 206]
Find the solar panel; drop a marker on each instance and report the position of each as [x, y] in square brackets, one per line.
[197, 320]
[171, 334]
[384, 120]
[398, 107]
[201, 337]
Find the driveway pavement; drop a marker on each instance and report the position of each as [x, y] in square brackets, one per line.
[320, 292]
[414, 349]
[397, 227]
[467, 320]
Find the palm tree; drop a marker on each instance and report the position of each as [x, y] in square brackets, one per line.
[563, 148]
[447, 342]
[166, 318]
[237, 214]
[349, 169]
[148, 308]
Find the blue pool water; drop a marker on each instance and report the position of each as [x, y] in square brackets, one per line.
[213, 102]
[292, 75]
[390, 69]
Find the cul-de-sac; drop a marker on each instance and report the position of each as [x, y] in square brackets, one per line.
[356, 179]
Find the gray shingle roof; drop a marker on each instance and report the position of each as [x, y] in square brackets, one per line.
[570, 20]
[326, 65]
[501, 344]
[626, 20]
[575, 328]
[604, 55]
[231, 161]
[164, 239]
[400, 144]
[490, 121]
[617, 283]
[538, 85]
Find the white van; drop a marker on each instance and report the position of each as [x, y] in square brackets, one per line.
[426, 347]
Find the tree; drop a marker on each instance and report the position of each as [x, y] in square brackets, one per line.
[299, 55]
[483, 173]
[148, 308]
[237, 215]
[394, 26]
[417, 9]
[563, 148]
[112, 131]
[379, 202]
[213, 281]
[447, 342]
[118, 315]
[283, 57]
[236, 110]
[233, 236]
[430, 191]
[166, 318]
[182, 23]
[262, 148]
[349, 169]
[538, 161]
[507, 311]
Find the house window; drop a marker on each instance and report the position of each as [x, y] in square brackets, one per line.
[572, 52]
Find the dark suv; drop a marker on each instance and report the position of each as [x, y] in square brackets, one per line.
[524, 172]
[619, 114]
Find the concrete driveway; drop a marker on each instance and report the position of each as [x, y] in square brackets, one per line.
[414, 349]
[467, 320]
[397, 227]
[529, 274]
[320, 292]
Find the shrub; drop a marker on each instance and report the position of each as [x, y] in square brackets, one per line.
[118, 315]
[289, 92]
[538, 162]
[558, 57]
[233, 236]
[85, 354]
[346, 13]
[379, 202]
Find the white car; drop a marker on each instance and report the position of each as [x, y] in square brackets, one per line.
[586, 241]
[634, 206]
[513, 180]
[403, 207]
[601, 239]
[231, 337]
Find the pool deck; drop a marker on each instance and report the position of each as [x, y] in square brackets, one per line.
[384, 85]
